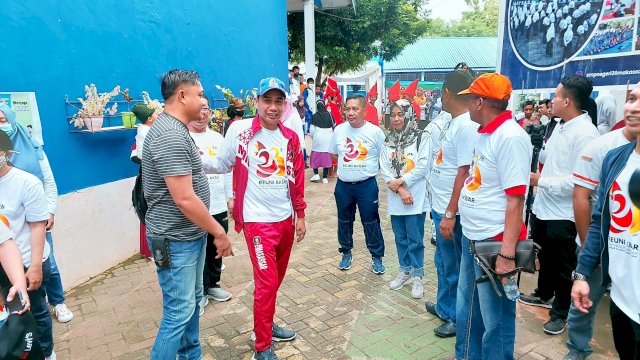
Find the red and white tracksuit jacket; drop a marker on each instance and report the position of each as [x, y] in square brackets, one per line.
[234, 153]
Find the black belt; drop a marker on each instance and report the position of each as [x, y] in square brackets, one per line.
[356, 182]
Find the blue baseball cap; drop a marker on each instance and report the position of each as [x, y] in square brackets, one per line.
[269, 84]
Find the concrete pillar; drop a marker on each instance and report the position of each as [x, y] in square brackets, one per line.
[309, 39]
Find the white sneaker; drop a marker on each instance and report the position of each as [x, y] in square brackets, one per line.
[417, 290]
[203, 302]
[63, 314]
[315, 178]
[325, 181]
[218, 294]
[52, 356]
[401, 280]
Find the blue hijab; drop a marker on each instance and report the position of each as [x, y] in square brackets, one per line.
[29, 151]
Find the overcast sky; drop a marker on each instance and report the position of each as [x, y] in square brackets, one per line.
[447, 9]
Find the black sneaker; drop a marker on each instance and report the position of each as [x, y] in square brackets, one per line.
[555, 326]
[534, 300]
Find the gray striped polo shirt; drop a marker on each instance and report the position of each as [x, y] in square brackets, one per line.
[169, 150]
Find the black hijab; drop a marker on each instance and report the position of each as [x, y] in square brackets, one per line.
[322, 118]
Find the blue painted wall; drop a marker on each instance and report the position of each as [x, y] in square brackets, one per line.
[56, 47]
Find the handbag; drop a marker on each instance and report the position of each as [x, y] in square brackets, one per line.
[486, 253]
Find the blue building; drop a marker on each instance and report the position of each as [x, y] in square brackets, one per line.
[54, 48]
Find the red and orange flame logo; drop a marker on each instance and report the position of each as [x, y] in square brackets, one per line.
[355, 150]
[623, 214]
[474, 181]
[271, 161]
[439, 157]
[410, 164]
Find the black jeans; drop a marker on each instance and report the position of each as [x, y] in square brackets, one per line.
[213, 266]
[626, 334]
[40, 311]
[557, 260]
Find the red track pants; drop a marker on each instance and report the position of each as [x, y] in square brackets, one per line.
[269, 247]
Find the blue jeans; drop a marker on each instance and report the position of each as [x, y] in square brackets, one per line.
[181, 285]
[53, 287]
[409, 233]
[447, 261]
[486, 322]
[581, 324]
[364, 194]
[40, 311]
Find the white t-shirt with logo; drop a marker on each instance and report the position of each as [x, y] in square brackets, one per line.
[501, 161]
[358, 150]
[589, 162]
[414, 171]
[208, 143]
[22, 200]
[624, 243]
[267, 196]
[456, 149]
[5, 233]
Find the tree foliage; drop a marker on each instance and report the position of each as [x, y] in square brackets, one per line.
[345, 41]
[481, 20]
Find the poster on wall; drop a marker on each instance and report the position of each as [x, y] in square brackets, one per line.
[26, 108]
[544, 40]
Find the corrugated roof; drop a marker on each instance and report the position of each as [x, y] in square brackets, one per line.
[445, 53]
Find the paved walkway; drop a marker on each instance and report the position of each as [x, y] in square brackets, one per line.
[338, 315]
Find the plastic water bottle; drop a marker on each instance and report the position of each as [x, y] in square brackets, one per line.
[433, 230]
[511, 289]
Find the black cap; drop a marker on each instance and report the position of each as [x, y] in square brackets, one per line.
[5, 142]
[457, 81]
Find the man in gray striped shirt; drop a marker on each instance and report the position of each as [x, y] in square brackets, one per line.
[177, 194]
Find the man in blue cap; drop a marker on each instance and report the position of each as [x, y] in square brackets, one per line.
[268, 173]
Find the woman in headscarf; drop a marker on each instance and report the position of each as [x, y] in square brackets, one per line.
[404, 163]
[29, 156]
[299, 105]
[321, 131]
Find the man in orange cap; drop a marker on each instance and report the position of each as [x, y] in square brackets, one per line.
[491, 205]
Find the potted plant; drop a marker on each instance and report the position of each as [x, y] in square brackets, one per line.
[153, 102]
[94, 106]
[128, 118]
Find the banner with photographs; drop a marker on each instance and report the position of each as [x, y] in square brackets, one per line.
[25, 106]
[544, 40]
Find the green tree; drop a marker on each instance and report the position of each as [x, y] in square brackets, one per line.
[481, 20]
[346, 40]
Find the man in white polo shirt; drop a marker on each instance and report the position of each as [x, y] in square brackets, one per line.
[358, 144]
[554, 227]
[450, 169]
[491, 205]
[586, 180]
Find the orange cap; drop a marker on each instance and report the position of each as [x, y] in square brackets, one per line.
[491, 85]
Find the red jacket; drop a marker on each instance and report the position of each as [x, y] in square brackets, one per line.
[334, 109]
[372, 115]
[234, 153]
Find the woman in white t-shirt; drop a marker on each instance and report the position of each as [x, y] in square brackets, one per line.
[404, 162]
[11, 262]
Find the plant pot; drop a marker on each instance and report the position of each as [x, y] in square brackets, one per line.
[128, 120]
[93, 123]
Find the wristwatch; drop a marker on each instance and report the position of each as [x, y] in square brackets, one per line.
[449, 215]
[577, 276]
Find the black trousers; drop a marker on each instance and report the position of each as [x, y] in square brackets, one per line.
[626, 334]
[213, 266]
[557, 260]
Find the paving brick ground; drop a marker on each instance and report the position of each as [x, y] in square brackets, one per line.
[338, 315]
